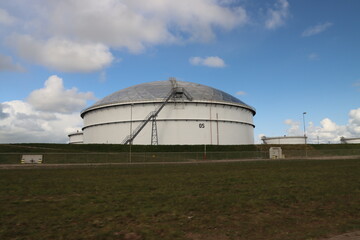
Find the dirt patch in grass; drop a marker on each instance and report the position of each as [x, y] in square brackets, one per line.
[346, 236]
[196, 236]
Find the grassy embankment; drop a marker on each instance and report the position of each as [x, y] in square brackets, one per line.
[98, 153]
[250, 200]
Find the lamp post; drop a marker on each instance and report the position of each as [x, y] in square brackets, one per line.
[305, 133]
[130, 143]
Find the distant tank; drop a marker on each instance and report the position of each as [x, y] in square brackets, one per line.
[350, 140]
[76, 138]
[284, 140]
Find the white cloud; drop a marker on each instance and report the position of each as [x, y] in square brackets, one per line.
[3, 114]
[195, 19]
[196, 60]
[57, 98]
[25, 124]
[6, 18]
[241, 93]
[62, 54]
[48, 115]
[328, 130]
[277, 15]
[319, 28]
[208, 61]
[78, 35]
[313, 56]
[258, 139]
[7, 64]
[118, 24]
[354, 123]
[294, 128]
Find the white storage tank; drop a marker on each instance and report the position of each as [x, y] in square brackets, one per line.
[284, 140]
[350, 140]
[76, 138]
[169, 112]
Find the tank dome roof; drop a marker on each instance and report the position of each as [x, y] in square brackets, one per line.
[158, 90]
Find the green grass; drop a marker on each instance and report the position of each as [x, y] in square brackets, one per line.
[249, 200]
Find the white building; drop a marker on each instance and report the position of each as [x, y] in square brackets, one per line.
[169, 112]
[284, 140]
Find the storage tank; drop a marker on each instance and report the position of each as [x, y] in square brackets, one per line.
[284, 140]
[76, 138]
[350, 140]
[169, 112]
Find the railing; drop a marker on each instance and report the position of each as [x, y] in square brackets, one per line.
[126, 157]
[137, 130]
[152, 114]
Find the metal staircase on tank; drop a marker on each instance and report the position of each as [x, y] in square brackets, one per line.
[154, 136]
[176, 92]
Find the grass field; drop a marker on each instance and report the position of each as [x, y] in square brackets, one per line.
[245, 200]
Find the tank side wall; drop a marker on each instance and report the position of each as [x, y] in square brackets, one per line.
[299, 140]
[353, 140]
[181, 123]
[76, 139]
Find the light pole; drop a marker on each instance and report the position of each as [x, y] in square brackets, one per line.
[130, 143]
[305, 133]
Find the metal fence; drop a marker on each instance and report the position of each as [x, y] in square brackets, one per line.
[136, 157]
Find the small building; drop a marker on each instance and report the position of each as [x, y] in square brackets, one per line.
[350, 140]
[76, 138]
[276, 153]
[284, 140]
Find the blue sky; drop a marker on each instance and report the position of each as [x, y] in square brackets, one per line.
[283, 57]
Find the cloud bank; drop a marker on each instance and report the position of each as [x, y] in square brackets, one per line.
[48, 115]
[81, 35]
[78, 36]
[328, 130]
[62, 54]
